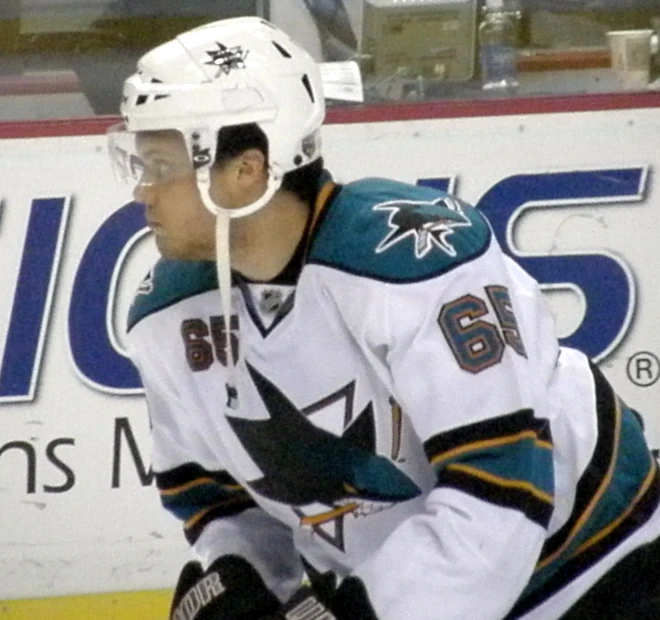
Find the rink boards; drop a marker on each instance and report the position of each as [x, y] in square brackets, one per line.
[574, 196]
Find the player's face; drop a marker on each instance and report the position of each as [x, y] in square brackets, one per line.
[184, 229]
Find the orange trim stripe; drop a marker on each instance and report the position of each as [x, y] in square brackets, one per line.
[490, 443]
[188, 485]
[324, 517]
[504, 482]
[397, 432]
[596, 498]
[319, 206]
[200, 515]
[199, 482]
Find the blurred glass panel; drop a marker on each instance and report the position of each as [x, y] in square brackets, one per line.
[69, 58]
[428, 49]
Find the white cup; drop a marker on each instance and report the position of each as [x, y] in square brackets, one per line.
[630, 51]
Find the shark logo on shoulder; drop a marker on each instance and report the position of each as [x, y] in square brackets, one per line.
[429, 223]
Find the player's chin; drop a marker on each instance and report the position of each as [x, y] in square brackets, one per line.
[171, 249]
[167, 248]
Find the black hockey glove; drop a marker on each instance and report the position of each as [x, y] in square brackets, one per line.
[349, 602]
[304, 605]
[231, 589]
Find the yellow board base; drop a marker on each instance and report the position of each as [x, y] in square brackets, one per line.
[146, 605]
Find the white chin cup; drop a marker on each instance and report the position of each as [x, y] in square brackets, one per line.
[204, 184]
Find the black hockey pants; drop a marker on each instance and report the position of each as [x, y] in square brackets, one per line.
[630, 591]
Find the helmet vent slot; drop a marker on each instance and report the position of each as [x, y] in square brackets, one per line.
[157, 97]
[141, 99]
[156, 81]
[281, 50]
[308, 86]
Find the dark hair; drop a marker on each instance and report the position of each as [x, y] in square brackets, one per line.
[235, 139]
[304, 181]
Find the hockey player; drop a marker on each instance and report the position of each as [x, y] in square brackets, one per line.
[353, 382]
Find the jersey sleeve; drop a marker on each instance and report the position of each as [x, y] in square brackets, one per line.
[218, 515]
[467, 356]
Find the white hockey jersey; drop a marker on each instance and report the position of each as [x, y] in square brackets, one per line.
[402, 412]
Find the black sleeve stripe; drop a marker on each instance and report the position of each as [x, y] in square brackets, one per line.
[182, 488]
[188, 504]
[194, 527]
[174, 480]
[493, 429]
[599, 471]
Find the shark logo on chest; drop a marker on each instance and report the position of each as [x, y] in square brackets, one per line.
[304, 465]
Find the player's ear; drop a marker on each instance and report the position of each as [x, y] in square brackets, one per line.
[252, 168]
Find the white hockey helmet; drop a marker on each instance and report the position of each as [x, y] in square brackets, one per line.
[229, 72]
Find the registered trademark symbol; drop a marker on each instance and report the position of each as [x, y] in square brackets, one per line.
[643, 369]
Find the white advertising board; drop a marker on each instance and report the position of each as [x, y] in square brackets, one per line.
[574, 196]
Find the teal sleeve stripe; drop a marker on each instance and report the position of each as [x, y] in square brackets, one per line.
[621, 505]
[632, 466]
[507, 461]
[524, 462]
